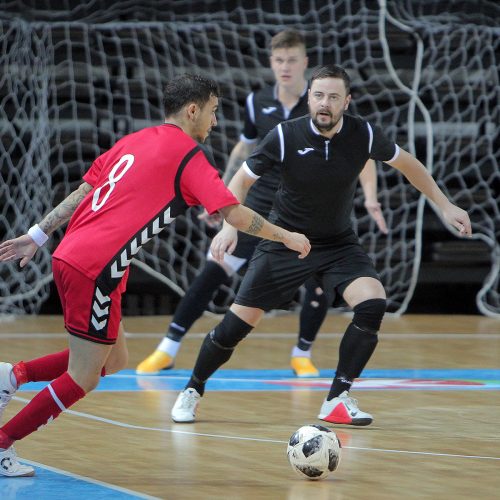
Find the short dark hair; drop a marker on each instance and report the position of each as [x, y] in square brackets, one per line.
[286, 39]
[187, 88]
[332, 71]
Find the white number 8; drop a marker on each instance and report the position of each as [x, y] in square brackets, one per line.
[112, 180]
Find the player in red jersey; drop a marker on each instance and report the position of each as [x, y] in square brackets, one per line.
[129, 194]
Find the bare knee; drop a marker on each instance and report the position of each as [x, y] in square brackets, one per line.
[87, 380]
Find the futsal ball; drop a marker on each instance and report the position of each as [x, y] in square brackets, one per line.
[314, 451]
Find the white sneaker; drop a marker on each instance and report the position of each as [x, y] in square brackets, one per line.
[7, 390]
[184, 409]
[10, 467]
[344, 410]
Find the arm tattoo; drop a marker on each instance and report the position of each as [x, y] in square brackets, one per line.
[63, 212]
[256, 225]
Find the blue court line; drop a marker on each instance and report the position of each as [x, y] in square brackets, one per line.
[284, 380]
[55, 484]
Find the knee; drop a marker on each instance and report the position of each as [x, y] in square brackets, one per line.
[230, 331]
[86, 380]
[368, 315]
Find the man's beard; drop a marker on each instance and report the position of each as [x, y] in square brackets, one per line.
[325, 127]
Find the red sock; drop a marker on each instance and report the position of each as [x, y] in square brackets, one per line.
[43, 369]
[43, 408]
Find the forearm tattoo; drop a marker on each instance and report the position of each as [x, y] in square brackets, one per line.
[63, 212]
[256, 225]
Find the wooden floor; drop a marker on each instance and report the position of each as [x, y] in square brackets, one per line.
[435, 444]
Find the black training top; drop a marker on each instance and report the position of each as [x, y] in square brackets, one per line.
[319, 175]
[263, 111]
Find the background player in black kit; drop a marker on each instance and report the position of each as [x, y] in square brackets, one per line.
[320, 157]
[286, 99]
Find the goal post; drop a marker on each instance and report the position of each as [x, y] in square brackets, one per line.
[76, 80]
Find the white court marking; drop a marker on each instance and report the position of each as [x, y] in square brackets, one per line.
[90, 480]
[260, 440]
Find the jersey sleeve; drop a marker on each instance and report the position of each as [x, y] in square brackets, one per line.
[250, 132]
[267, 153]
[382, 148]
[92, 174]
[202, 185]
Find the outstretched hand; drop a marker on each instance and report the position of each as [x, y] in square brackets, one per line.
[458, 218]
[375, 211]
[22, 247]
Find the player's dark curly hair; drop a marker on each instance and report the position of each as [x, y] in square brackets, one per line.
[187, 88]
[332, 71]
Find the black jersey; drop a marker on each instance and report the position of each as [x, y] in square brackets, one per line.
[263, 111]
[318, 175]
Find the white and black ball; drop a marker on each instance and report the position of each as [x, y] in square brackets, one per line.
[314, 451]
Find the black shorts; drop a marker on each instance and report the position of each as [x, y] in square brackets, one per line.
[275, 273]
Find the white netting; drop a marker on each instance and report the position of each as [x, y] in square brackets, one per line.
[81, 76]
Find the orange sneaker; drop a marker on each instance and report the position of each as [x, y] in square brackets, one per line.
[154, 363]
[303, 367]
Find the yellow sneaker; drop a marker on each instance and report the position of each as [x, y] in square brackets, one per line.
[303, 367]
[154, 363]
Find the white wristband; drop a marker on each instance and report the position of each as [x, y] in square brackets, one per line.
[37, 235]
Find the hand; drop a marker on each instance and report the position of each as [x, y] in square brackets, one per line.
[224, 242]
[299, 243]
[22, 247]
[458, 218]
[373, 208]
[213, 221]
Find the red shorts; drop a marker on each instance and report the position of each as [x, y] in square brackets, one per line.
[88, 313]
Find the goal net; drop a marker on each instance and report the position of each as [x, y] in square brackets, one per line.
[84, 74]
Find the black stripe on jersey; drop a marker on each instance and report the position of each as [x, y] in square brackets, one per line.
[113, 272]
[179, 205]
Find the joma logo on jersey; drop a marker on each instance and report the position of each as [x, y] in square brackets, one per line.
[304, 151]
[268, 110]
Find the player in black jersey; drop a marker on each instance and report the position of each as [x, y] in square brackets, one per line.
[320, 157]
[265, 109]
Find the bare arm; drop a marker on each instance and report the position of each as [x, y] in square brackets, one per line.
[239, 154]
[24, 247]
[248, 221]
[63, 212]
[368, 180]
[420, 178]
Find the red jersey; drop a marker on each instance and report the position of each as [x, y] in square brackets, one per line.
[139, 186]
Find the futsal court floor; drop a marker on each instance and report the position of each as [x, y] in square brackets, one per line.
[433, 387]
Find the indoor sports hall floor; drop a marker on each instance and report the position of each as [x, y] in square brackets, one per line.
[433, 387]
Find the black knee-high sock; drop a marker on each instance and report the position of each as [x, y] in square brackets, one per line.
[211, 356]
[312, 315]
[217, 348]
[357, 345]
[196, 300]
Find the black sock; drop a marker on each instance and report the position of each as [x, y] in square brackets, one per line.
[312, 315]
[356, 348]
[196, 300]
[211, 356]
[217, 348]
